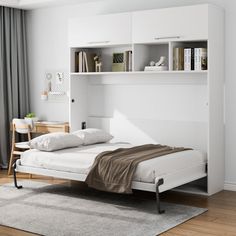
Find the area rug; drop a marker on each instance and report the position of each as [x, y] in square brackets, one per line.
[57, 210]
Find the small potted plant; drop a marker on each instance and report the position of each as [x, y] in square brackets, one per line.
[32, 117]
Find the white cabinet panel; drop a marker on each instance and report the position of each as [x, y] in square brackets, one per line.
[180, 23]
[100, 30]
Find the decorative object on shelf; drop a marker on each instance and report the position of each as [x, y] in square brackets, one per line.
[118, 64]
[54, 87]
[31, 116]
[152, 63]
[98, 63]
[178, 58]
[48, 76]
[49, 86]
[57, 93]
[44, 96]
[157, 66]
[59, 77]
[122, 61]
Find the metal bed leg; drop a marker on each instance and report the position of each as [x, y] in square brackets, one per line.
[14, 176]
[160, 182]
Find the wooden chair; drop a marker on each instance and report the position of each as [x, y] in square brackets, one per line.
[20, 126]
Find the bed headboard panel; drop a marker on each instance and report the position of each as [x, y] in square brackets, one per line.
[140, 131]
[167, 111]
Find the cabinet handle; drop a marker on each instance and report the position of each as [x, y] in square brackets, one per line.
[98, 42]
[168, 37]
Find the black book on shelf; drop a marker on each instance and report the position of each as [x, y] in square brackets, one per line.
[80, 61]
[76, 61]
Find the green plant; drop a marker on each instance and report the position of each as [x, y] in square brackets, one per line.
[31, 115]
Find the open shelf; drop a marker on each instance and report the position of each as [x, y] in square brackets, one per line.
[204, 72]
[198, 187]
[104, 53]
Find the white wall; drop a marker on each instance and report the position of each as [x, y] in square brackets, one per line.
[48, 51]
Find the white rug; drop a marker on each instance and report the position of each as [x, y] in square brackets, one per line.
[57, 210]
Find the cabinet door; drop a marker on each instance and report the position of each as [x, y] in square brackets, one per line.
[100, 30]
[171, 24]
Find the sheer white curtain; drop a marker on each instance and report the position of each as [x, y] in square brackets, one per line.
[14, 90]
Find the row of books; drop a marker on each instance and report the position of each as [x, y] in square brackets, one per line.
[190, 59]
[84, 61]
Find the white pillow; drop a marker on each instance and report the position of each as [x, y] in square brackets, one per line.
[92, 136]
[55, 141]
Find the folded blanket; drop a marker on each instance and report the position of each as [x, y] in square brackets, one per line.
[113, 171]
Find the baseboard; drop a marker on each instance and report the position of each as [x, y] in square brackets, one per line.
[230, 186]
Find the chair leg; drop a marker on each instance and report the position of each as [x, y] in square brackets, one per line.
[10, 163]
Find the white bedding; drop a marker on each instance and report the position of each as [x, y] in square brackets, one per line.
[79, 160]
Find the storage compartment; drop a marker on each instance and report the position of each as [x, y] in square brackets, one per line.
[105, 56]
[189, 55]
[171, 24]
[195, 187]
[145, 53]
[100, 30]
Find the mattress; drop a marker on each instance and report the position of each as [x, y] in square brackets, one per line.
[79, 160]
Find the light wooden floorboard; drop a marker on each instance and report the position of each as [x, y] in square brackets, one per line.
[219, 220]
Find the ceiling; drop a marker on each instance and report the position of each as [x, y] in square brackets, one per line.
[33, 4]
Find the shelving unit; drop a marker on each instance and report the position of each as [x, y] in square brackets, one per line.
[143, 54]
[177, 108]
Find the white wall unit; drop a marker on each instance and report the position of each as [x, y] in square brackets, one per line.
[179, 108]
[180, 23]
[100, 30]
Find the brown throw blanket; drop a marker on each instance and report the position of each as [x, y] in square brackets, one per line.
[113, 170]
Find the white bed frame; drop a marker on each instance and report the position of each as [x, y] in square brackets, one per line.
[162, 183]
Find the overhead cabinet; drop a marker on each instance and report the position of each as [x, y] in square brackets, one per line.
[171, 24]
[102, 30]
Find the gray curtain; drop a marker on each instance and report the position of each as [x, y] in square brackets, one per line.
[14, 90]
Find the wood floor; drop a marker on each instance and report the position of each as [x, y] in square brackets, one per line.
[220, 219]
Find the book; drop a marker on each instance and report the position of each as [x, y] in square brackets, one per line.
[196, 59]
[178, 58]
[126, 60]
[192, 58]
[189, 59]
[203, 58]
[130, 61]
[80, 61]
[89, 61]
[83, 64]
[76, 61]
[200, 59]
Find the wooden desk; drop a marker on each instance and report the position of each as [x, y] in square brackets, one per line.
[50, 128]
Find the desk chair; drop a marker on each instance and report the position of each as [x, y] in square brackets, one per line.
[20, 126]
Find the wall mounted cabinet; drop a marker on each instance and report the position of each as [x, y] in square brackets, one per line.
[171, 24]
[103, 30]
[179, 108]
